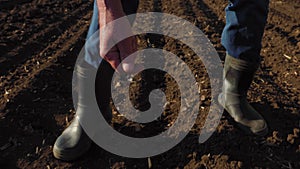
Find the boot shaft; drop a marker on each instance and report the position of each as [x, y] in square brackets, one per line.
[238, 75]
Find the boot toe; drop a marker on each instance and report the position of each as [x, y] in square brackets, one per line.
[260, 128]
[72, 143]
[65, 148]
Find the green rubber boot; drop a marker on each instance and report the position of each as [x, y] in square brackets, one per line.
[74, 142]
[238, 75]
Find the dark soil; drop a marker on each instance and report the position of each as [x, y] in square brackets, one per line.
[39, 43]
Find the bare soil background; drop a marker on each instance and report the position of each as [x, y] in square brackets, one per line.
[39, 43]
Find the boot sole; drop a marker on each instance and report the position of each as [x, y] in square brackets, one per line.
[70, 154]
[261, 133]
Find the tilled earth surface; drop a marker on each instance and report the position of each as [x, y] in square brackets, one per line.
[41, 39]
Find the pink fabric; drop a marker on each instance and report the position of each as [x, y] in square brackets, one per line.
[110, 10]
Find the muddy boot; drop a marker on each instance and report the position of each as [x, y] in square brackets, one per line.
[74, 142]
[238, 75]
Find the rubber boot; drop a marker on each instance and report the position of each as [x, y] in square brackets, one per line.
[238, 75]
[74, 142]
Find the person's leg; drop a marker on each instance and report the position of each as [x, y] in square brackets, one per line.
[242, 35]
[94, 26]
[245, 22]
[74, 142]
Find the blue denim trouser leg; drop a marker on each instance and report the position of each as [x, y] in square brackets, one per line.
[245, 22]
[91, 47]
[94, 26]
